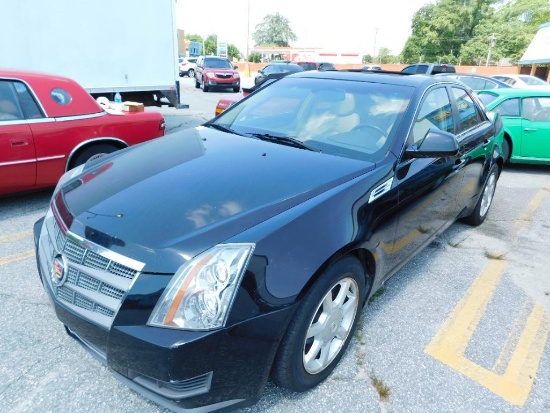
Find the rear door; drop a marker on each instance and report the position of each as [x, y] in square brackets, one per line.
[535, 123]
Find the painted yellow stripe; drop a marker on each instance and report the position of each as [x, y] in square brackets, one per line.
[450, 343]
[16, 236]
[16, 257]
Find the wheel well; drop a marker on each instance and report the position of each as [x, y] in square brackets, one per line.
[364, 256]
[116, 143]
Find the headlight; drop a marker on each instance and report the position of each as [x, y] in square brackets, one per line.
[201, 293]
[236, 75]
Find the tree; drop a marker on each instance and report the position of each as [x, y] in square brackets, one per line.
[274, 31]
[459, 31]
[439, 30]
[255, 57]
[211, 45]
[233, 52]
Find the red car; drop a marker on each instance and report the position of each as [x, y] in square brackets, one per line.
[216, 72]
[50, 124]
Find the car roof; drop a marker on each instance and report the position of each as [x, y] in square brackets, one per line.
[518, 92]
[43, 83]
[379, 76]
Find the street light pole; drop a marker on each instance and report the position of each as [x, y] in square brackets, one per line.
[247, 69]
[374, 48]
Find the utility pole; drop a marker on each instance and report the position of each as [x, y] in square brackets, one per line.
[247, 69]
[492, 41]
[374, 48]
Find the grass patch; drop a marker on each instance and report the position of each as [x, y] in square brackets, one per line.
[383, 390]
[377, 294]
[495, 255]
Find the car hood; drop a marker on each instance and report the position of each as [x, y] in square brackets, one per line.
[191, 190]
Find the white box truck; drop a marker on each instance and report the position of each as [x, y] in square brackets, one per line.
[107, 46]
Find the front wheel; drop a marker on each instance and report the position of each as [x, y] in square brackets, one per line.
[322, 327]
[204, 86]
[236, 89]
[485, 200]
[197, 84]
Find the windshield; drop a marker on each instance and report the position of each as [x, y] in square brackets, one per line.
[337, 117]
[533, 81]
[217, 63]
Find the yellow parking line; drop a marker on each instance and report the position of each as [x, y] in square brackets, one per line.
[13, 237]
[451, 341]
[16, 257]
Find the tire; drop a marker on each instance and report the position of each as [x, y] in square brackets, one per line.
[485, 200]
[303, 362]
[204, 87]
[197, 84]
[191, 73]
[236, 89]
[181, 74]
[506, 150]
[93, 152]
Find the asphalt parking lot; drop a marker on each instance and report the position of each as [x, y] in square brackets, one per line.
[461, 328]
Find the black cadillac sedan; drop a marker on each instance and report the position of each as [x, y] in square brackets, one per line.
[199, 265]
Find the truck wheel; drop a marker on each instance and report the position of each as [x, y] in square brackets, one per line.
[191, 73]
[93, 152]
[322, 327]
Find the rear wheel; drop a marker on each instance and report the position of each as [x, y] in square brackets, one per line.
[191, 73]
[322, 327]
[485, 200]
[93, 152]
[506, 150]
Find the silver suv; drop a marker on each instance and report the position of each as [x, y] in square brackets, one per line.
[187, 66]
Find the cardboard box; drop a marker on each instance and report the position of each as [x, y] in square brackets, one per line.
[132, 107]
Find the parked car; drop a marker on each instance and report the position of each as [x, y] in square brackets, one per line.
[250, 250]
[216, 72]
[477, 82]
[276, 67]
[50, 124]
[307, 65]
[226, 102]
[429, 68]
[526, 117]
[371, 67]
[188, 66]
[523, 81]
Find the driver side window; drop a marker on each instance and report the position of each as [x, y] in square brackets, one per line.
[435, 113]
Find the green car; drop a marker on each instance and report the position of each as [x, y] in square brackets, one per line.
[526, 118]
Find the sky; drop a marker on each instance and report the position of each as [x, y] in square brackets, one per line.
[343, 26]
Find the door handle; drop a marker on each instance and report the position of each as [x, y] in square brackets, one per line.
[19, 142]
[529, 129]
[459, 163]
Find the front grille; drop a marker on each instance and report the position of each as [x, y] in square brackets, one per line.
[224, 75]
[96, 279]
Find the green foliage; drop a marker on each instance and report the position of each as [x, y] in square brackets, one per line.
[255, 57]
[233, 52]
[367, 59]
[211, 44]
[459, 31]
[193, 38]
[274, 31]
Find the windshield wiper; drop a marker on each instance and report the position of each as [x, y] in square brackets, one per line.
[223, 128]
[284, 140]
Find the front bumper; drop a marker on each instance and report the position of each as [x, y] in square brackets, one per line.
[199, 371]
[223, 82]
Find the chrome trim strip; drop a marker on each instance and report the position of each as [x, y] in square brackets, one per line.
[104, 252]
[17, 162]
[79, 117]
[50, 158]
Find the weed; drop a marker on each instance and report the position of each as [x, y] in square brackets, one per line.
[495, 255]
[383, 390]
[377, 294]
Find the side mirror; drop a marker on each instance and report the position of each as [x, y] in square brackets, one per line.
[235, 67]
[436, 144]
